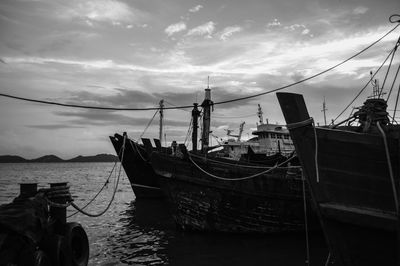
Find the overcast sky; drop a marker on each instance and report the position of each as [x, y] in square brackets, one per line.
[134, 53]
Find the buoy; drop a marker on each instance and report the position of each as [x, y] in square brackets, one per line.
[76, 244]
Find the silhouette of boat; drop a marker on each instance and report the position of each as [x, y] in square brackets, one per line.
[353, 173]
[210, 193]
[144, 181]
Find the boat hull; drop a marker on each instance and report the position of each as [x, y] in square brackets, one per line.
[351, 186]
[270, 203]
[144, 181]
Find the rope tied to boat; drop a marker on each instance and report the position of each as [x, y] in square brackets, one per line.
[308, 122]
[241, 178]
[62, 192]
[396, 202]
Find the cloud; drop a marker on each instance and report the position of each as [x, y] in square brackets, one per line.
[274, 23]
[54, 126]
[195, 9]
[302, 27]
[204, 29]
[228, 31]
[111, 11]
[174, 28]
[360, 10]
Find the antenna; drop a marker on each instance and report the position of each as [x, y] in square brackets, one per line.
[376, 91]
[324, 110]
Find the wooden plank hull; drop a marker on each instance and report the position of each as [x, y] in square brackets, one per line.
[353, 191]
[269, 203]
[144, 181]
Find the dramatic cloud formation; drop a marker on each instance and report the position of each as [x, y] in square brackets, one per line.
[111, 11]
[228, 31]
[205, 29]
[174, 28]
[119, 53]
[195, 9]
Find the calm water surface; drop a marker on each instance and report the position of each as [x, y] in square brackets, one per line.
[143, 233]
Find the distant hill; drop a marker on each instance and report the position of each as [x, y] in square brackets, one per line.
[12, 159]
[93, 159]
[47, 159]
[54, 159]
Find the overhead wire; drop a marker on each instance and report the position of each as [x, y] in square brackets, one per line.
[215, 103]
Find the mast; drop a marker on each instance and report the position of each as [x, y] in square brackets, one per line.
[324, 110]
[241, 130]
[207, 103]
[260, 114]
[161, 119]
[195, 116]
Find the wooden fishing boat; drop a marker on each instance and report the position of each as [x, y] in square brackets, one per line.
[215, 194]
[353, 173]
[143, 179]
[212, 194]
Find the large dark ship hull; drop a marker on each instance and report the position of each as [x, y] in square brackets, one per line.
[269, 203]
[350, 183]
[144, 181]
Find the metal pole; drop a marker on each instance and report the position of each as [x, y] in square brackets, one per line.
[161, 120]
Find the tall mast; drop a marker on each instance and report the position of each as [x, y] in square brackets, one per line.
[207, 103]
[324, 110]
[260, 114]
[195, 116]
[161, 119]
[240, 130]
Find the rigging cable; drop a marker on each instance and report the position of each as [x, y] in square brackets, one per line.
[390, 64]
[394, 80]
[148, 124]
[359, 93]
[215, 103]
[397, 100]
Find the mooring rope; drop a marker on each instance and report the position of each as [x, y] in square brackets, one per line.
[236, 164]
[239, 178]
[396, 202]
[114, 192]
[305, 219]
[101, 189]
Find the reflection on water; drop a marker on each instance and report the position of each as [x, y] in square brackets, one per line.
[141, 238]
[143, 233]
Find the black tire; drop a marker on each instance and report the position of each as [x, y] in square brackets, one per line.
[76, 244]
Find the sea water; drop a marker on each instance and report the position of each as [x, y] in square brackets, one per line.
[142, 232]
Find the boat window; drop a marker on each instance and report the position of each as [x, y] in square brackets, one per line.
[272, 135]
